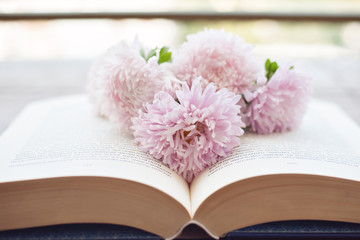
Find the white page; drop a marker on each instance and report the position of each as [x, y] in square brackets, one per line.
[327, 143]
[62, 137]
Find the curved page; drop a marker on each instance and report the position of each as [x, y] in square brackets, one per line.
[62, 137]
[327, 143]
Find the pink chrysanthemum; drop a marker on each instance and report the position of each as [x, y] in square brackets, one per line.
[280, 104]
[121, 81]
[192, 132]
[219, 57]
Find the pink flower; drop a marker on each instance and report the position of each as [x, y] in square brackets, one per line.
[192, 132]
[121, 81]
[218, 57]
[280, 104]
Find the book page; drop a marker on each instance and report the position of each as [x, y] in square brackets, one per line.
[62, 137]
[327, 143]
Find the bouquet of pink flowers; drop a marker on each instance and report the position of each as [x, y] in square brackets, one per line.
[189, 108]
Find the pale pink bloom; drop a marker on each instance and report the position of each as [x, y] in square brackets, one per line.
[219, 57]
[280, 104]
[121, 81]
[192, 132]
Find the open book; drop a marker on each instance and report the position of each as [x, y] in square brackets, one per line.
[59, 163]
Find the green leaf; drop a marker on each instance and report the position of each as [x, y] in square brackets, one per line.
[164, 50]
[270, 68]
[292, 67]
[267, 65]
[150, 54]
[164, 55]
[274, 66]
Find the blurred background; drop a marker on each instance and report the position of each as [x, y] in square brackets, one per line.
[87, 38]
[46, 47]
